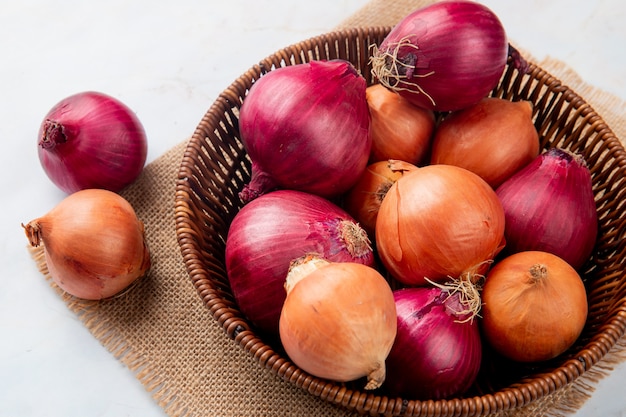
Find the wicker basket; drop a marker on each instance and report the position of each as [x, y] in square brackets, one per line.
[215, 167]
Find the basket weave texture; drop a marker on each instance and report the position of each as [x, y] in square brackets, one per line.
[215, 167]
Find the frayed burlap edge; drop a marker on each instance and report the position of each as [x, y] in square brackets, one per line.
[88, 312]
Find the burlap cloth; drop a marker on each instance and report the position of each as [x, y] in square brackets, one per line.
[162, 331]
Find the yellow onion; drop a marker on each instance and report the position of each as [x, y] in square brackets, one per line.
[439, 222]
[399, 129]
[363, 200]
[93, 242]
[338, 321]
[535, 306]
[494, 138]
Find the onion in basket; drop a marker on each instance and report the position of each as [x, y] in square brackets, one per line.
[445, 56]
[339, 320]
[535, 306]
[549, 206]
[306, 128]
[494, 138]
[439, 222]
[363, 200]
[437, 352]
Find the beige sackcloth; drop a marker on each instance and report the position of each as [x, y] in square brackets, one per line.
[163, 333]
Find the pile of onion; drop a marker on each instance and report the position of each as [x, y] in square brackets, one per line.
[93, 242]
[92, 140]
[302, 268]
[442, 178]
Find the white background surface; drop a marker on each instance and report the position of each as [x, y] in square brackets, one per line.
[168, 61]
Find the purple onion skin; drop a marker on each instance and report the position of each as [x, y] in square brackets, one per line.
[92, 140]
[267, 234]
[549, 206]
[450, 55]
[435, 354]
[306, 127]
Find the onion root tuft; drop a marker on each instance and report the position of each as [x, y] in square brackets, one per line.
[391, 71]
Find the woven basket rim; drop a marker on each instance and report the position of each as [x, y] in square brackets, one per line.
[236, 327]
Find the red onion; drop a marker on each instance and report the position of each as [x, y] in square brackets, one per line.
[437, 352]
[445, 56]
[306, 127]
[91, 140]
[275, 229]
[549, 206]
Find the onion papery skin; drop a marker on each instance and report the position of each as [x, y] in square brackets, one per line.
[439, 222]
[437, 352]
[444, 57]
[549, 206]
[494, 138]
[270, 232]
[338, 321]
[363, 200]
[535, 306]
[92, 140]
[306, 128]
[93, 242]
